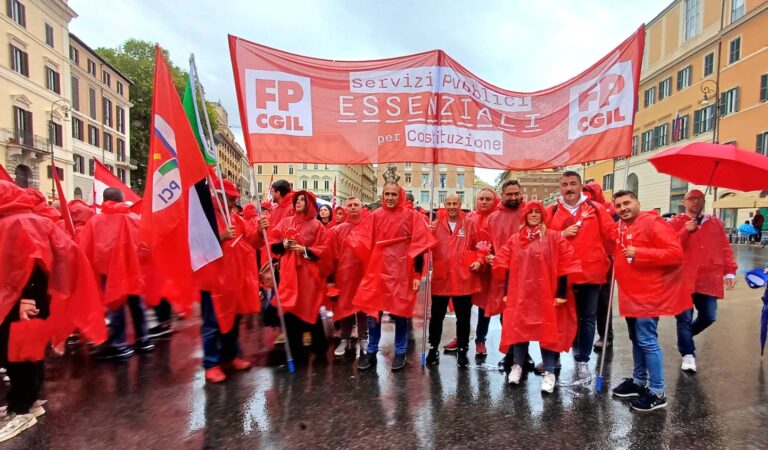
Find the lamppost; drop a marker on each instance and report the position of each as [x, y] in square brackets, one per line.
[63, 107]
[711, 91]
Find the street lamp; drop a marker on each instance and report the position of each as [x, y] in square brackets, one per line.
[711, 92]
[63, 107]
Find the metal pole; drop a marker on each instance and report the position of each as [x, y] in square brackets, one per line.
[428, 289]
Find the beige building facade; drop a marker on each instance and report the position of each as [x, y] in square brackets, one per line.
[351, 181]
[416, 179]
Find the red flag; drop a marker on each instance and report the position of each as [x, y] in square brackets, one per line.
[269, 188]
[4, 175]
[174, 226]
[63, 205]
[333, 200]
[103, 178]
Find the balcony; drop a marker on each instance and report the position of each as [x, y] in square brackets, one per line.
[24, 141]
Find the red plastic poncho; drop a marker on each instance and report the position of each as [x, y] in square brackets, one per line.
[533, 267]
[708, 254]
[499, 227]
[475, 225]
[594, 192]
[81, 213]
[26, 240]
[388, 241]
[653, 284]
[596, 227]
[302, 288]
[452, 256]
[281, 210]
[348, 269]
[110, 240]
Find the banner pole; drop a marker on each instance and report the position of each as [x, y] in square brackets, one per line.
[255, 193]
[600, 378]
[428, 288]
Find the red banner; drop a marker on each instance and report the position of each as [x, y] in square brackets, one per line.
[428, 108]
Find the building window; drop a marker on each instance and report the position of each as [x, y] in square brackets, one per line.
[762, 143]
[424, 197]
[258, 169]
[108, 142]
[650, 97]
[55, 134]
[106, 78]
[737, 10]
[443, 180]
[22, 125]
[52, 81]
[424, 179]
[646, 144]
[315, 166]
[709, 64]
[274, 170]
[461, 196]
[49, 35]
[441, 196]
[665, 88]
[93, 135]
[19, 61]
[734, 50]
[763, 88]
[408, 165]
[120, 119]
[78, 193]
[79, 164]
[660, 135]
[290, 169]
[17, 12]
[460, 181]
[120, 88]
[74, 55]
[77, 128]
[106, 104]
[91, 166]
[680, 128]
[110, 168]
[677, 191]
[691, 21]
[304, 166]
[633, 184]
[327, 185]
[304, 184]
[608, 182]
[729, 101]
[684, 78]
[92, 103]
[315, 184]
[120, 150]
[92, 67]
[408, 179]
[59, 171]
[703, 120]
[634, 145]
[121, 174]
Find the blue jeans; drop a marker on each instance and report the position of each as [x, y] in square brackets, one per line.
[646, 353]
[218, 348]
[687, 327]
[586, 310]
[117, 319]
[519, 353]
[401, 334]
[481, 331]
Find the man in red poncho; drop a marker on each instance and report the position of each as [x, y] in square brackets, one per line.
[110, 241]
[708, 263]
[300, 239]
[535, 264]
[497, 230]
[391, 242]
[587, 225]
[594, 192]
[347, 270]
[452, 278]
[81, 213]
[651, 282]
[48, 291]
[231, 289]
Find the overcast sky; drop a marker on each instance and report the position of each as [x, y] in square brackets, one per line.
[516, 45]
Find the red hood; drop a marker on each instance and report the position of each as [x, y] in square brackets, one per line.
[535, 204]
[311, 211]
[494, 205]
[594, 192]
[80, 211]
[14, 200]
[110, 207]
[400, 200]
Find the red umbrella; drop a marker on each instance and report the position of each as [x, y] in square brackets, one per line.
[720, 165]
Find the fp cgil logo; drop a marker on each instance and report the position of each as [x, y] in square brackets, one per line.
[278, 103]
[602, 103]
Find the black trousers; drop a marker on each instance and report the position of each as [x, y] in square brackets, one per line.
[26, 377]
[603, 299]
[462, 304]
[295, 329]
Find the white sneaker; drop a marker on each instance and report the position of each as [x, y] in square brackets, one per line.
[363, 346]
[548, 382]
[515, 374]
[36, 409]
[583, 375]
[341, 350]
[14, 424]
[689, 363]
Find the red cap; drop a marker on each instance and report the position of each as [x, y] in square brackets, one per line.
[693, 193]
[230, 189]
[266, 205]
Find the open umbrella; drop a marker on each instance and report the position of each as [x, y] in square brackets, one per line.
[719, 165]
[756, 279]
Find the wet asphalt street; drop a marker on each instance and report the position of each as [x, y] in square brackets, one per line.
[161, 401]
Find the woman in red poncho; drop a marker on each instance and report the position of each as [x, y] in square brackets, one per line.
[339, 215]
[48, 291]
[325, 215]
[299, 239]
[535, 262]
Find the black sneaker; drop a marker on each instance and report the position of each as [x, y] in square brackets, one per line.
[502, 364]
[115, 353]
[144, 346]
[461, 358]
[649, 401]
[366, 361]
[164, 330]
[398, 363]
[433, 357]
[628, 389]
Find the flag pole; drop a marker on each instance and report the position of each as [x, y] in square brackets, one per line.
[254, 193]
[600, 378]
[207, 140]
[428, 289]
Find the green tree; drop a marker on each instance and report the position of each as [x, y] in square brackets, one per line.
[136, 60]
